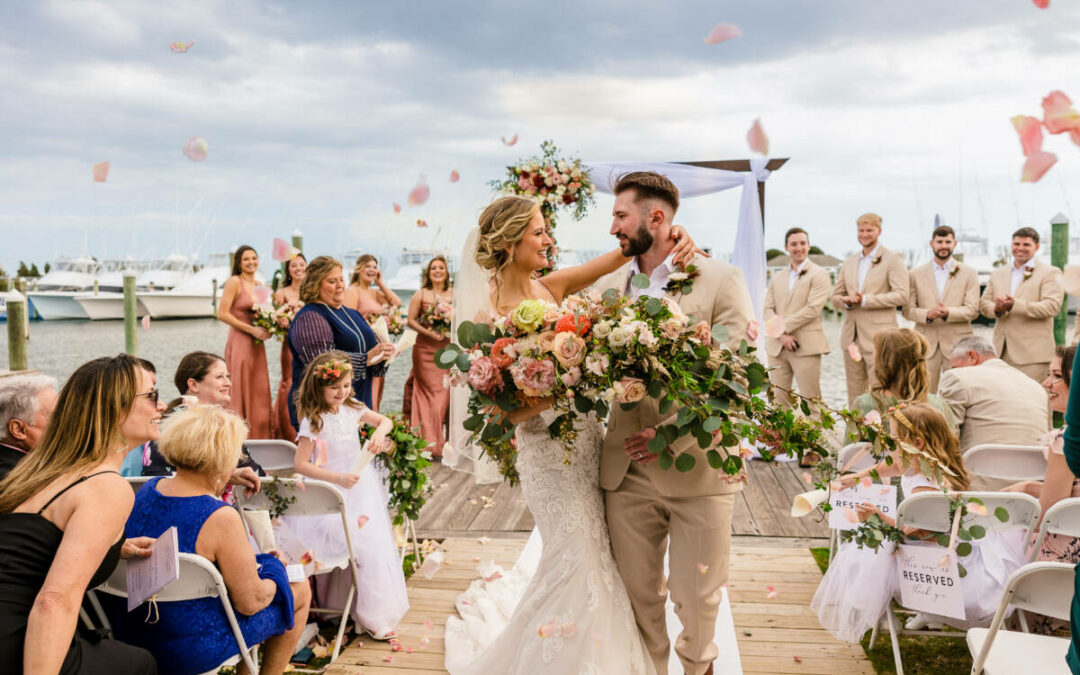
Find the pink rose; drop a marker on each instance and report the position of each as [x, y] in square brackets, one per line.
[671, 329]
[703, 332]
[629, 390]
[485, 376]
[545, 341]
[534, 377]
[571, 377]
[569, 349]
[597, 364]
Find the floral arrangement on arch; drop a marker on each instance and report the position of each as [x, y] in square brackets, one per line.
[554, 183]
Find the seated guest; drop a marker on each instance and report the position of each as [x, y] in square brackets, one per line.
[900, 375]
[193, 636]
[62, 513]
[991, 401]
[26, 403]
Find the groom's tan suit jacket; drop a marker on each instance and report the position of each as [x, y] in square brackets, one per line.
[719, 296]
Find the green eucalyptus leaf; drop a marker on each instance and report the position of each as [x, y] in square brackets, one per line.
[446, 357]
[1002, 514]
[464, 334]
[977, 531]
[473, 423]
[656, 387]
[712, 424]
[653, 306]
[666, 460]
[963, 549]
[639, 281]
[665, 404]
[715, 459]
[720, 333]
[657, 443]
[685, 462]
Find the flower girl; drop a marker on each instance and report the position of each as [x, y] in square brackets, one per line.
[860, 582]
[329, 449]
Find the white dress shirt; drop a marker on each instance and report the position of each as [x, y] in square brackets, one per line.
[657, 280]
[941, 276]
[865, 262]
[793, 274]
[1016, 275]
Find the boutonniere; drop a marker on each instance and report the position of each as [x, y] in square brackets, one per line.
[802, 273]
[953, 272]
[875, 260]
[1028, 271]
[682, 282]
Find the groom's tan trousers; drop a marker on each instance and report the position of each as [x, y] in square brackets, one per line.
[641, 521]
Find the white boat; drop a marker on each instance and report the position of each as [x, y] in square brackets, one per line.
[193, 297]
[411, 262]
[162, 275]
[106, 301]
[53, 295]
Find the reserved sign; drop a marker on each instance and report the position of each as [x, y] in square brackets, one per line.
[842, 516]
[930, 580]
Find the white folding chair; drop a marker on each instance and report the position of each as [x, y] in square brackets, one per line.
[852, 457]
[1006, 462]
[272, 454]
[136, 482]
[198, 579]
[930, 511]
[1062, 518]
[317, 498]
[1041, 587]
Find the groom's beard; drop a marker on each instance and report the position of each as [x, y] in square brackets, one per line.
[636, 244]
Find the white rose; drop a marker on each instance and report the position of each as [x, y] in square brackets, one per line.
[678, 276]
[602, 329]
[619, 337]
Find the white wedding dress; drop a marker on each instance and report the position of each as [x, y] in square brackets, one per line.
[574, 615]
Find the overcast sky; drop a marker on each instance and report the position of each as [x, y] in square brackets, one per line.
[320, 115]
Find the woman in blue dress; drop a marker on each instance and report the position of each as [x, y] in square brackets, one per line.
[325, 324]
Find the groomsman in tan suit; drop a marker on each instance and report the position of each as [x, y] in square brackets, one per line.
[1024, 298]
[943, 299]
[871, 285]
[797, 295]
[650, 510]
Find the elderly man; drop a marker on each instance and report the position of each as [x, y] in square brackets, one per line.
[26, 404]
[992, 401]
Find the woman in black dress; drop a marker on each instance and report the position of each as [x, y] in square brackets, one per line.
[62, 515]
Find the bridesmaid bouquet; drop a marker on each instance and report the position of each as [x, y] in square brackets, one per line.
[438, 317]
[395, 320]
[276, 320]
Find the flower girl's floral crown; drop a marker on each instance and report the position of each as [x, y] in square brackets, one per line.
[331, 371]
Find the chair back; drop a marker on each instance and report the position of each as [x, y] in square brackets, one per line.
[857, 455]
[1062, 518]
[136, 482]
[1006, 462]
[272, 454]
[1043, 587]
[930, 511]
[315, 498]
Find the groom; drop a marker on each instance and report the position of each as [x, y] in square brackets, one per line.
[648, 507]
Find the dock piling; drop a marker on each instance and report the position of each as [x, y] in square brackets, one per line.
[1059, 257]
[17, 332]
[131, 338]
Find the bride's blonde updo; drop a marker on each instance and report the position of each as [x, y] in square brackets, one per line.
[503, 223]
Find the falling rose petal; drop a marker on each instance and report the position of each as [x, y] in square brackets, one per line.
[362, 521]
[146, 322]
[420, 193]
[483, 540]
[181, 47]
[429, 624]
[977, 509]
[424, 642]
[409, 650]
[493, 577]
[1036, 166]
[512, 141]
[774, 327]
[883, 491]
[568, 629]
[388, 659]
[395, 646]
[1058, 114]
[307, 558]
[261, 294]
[282, 250]
[757, 139]
[771, 592]
[752, 330]
[850, 514]
[702, 568]
[1041, 4]
[300, 483]
[548, 629]
[854, 353]
[1030, 131]
[420, 222]
[836, 486]
[101, 172]
[798, 659]
[476, 558]
[455, 176]
[807, 477]
[195, 149]
[722, 32]
[397, 207]
[866, 481]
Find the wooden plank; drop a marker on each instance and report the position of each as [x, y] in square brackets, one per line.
[742, 517]
[790, 476]
[503, 511]
[758, 503]
[779, 502]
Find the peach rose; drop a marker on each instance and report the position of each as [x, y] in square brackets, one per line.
[546, 340]
[703, 332]
[569, 349]
[630, 390]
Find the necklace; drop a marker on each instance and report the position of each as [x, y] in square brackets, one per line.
[351, 326]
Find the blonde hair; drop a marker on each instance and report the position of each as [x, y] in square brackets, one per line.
[900, 366]
[310, 401]
[503, 223]
[206, 439]
[360, 262]
[317, 271]
[873, 218]
[924, 421]
[83, 430]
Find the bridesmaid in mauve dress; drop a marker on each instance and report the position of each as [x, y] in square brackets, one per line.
[429, 398]
[368, 300]
[281, 427]
[246, 358]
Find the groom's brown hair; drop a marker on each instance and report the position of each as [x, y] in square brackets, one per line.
[647, 185]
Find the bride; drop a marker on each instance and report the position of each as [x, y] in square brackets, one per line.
[574, 616]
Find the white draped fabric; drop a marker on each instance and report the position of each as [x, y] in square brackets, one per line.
[748, 253]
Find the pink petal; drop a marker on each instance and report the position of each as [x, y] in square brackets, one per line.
[1030, 131]
[1071, 279]
[722, 32]
[261, 294]
[281, 250]
[388, 659]
[1058, 113]
[424, 642]
[180, 47]
[807, 477]
[771, 592]
[1041, 4]
[429, 624]
[872, 417]
[854, 353]
[420, 193]
[757, 139]
[568, 629]
[513, 140]
[548, 629]
[494, 575]
[774, 327]
[1037, 164]
[362, 521]
[866, 481]
[146, 322]
[101, 172]
[307, 557]
[702, 568]
[850, 514]
[420, 222]
[455, 176]
[397, 207]
[977, 509]
[195, 149]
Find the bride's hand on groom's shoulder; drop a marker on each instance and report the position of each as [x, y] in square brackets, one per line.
[685, 248]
